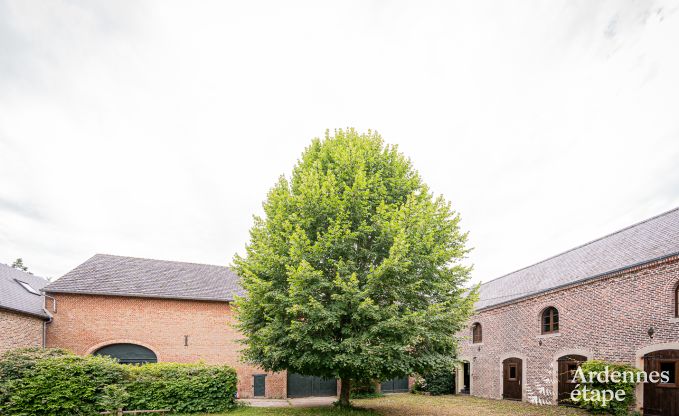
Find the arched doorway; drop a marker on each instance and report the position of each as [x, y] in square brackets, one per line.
[567, 366]
[128, 353]
[512, 372]
[662, 399]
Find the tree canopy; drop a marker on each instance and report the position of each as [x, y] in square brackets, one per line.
[19, 264]
[354, 271]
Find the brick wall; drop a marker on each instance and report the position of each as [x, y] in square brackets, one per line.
[19, 330]
[84, 323]
[604, 319]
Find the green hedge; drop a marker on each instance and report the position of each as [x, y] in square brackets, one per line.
[57, 383]
[184, 388]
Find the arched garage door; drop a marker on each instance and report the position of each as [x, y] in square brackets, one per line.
[128, 353]
[305, 386]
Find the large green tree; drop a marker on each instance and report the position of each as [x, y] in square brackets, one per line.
[354, 271]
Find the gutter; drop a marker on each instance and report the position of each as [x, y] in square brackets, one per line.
[578, 282]
[135, 295]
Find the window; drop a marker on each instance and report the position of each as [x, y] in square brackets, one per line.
[476, 333]
[512, 371]
[676, 302]
[550, 321]
[128, 353]
[669, 368]
[28, 287]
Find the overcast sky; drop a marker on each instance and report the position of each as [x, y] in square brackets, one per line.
[155, 129]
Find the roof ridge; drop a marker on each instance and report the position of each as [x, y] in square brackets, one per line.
[583, 245]
[162, 260]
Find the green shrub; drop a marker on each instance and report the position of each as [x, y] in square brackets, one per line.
[113, 397]
[15, 364]
[436, 383]
[183, 388]
[59, 385]
[37, 382]
[613, 406]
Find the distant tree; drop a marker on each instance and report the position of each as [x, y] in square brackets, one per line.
[354, 272]
[19, 264]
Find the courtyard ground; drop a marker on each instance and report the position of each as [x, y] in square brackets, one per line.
[417, 405]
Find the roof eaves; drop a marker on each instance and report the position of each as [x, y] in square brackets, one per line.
[42, 316]
[583, 245]
[137, 295]
[578, 282]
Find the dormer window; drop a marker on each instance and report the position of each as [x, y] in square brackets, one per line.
[477, 336]
[28, 287]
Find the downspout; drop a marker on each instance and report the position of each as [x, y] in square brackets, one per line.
[50, 318]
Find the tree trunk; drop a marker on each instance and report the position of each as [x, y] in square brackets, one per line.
[345, 392]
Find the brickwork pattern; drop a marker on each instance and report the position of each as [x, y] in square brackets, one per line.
[84, 323]
[19, 330]
[607, 319]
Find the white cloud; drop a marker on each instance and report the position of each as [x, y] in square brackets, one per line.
[155, 129]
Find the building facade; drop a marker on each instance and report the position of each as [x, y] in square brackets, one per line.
[613, 299]
[143, 310]
[22, 317]
[174, 330]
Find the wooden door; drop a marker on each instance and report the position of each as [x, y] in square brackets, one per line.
[567, 366]
[259, 385]
[511, 378]
[662, 399]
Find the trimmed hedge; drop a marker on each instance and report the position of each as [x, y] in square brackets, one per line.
[184, 388]
[58, 383]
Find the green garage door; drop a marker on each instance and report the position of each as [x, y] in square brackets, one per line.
[395, 385]
[305, 386]
[128, 353]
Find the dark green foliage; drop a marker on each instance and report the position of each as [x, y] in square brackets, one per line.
[183, 388]
[19, 264]
[619, 408]
[355, 270]
[60, 386]
[54, 382]
[364, 389]
[436, 382]
[113, 397]
[17, 363]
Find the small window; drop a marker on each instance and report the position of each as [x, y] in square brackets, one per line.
[550, 321]
[477, 336]
[28, 287]
[676, 302]
[512, 371]
[670, 369]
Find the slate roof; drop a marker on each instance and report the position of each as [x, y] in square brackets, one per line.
[14, 297]
[649, 240]
[104, 274]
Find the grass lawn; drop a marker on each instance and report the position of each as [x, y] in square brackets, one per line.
[417, 405]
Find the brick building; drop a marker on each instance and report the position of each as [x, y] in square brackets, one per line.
[22, 318]
[143, 310]
[613, 299]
